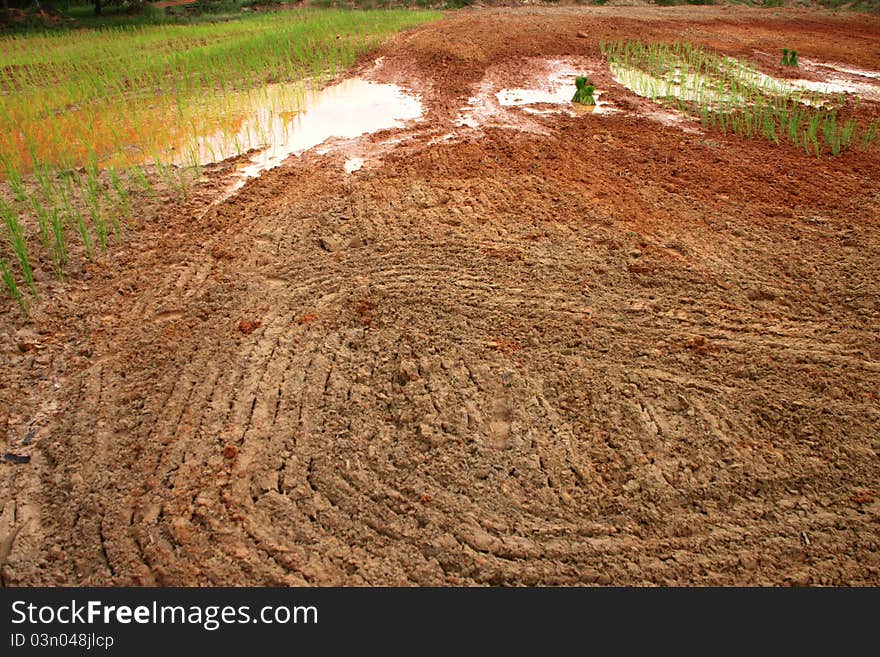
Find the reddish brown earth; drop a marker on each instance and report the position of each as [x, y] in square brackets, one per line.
[605, 351]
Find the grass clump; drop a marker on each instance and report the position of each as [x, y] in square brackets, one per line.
[789, 58]
[584, 92]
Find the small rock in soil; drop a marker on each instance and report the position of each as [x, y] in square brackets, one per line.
[330, 243]
[248, 326]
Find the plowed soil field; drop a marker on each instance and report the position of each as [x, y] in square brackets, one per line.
[540, 350]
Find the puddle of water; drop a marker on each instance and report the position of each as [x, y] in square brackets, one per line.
[344, 111]
[289, 120]
[353, 164]
[441, 139]
[558, 90]
[705, 91]
[831, 86]
[519, 97]
[561, 97]
[875, 75]
[466, 120]
[552, 95]
[854, 80]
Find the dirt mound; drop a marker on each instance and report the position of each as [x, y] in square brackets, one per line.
[487, 359]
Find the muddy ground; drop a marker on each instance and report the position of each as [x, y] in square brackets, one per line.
[569, 350]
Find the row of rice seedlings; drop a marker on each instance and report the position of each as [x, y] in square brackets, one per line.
[871, 135]
[59, 201]
[730, 95]
[11, 286]
[73, 105]
[132, 75]
[118, 115]
[13, 177]
[18, 244]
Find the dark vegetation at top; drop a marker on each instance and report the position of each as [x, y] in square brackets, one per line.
[29, 15]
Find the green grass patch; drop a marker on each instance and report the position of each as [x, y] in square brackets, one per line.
[81, 111]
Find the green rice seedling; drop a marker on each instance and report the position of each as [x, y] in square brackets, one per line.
[872, 134]
[793, 59]
[785, 60]
[704, 116]
[78, 220]
[44, 177]
[831, 134]
[137, 176]
[91, 192]
[180, 182]
[584, 92]
[769, 129]
[165, 173]
[794, 123]
[51, 233]
[849, 131]
[18, 243]
[123, 198]
[11, 286]
[811, 142]
[194, 163]
[59, 243]
[42, 214]
[13, 177]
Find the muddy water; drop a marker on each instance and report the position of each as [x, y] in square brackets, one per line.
[551, 93]
[560, 97]
[695, 87]
[291, 120]
[344, 111]
[559, 94]
[353, 164]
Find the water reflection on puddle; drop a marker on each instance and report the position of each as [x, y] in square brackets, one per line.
[695, 87]
[353, 164]
[560, 95]
[292, 123]
[551, 95]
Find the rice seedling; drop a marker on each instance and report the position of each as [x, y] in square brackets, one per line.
[59, 243]
[584, 92]
[90, 190]
[789, 57]
[42, 215]
[11, 286]
[123, 199]
[732, 96]
[872, 134]
[18, 243]
[73, 212]
[101, 99]
[13, 177]
[136, 176]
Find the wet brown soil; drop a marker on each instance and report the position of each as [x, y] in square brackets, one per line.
[598, 350]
